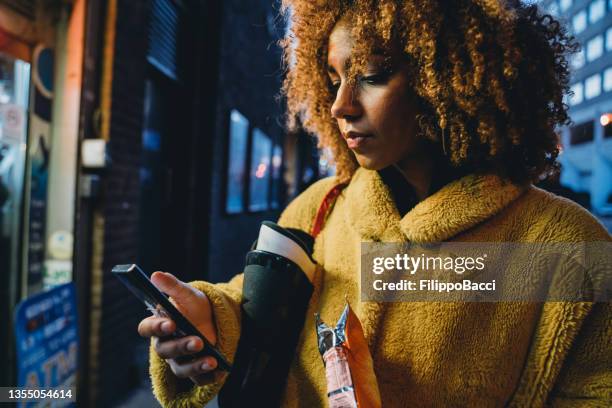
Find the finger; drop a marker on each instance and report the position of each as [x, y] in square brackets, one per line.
[176, 348]
[207, 377]
[180, 292]
[194, 368]
[156, 326]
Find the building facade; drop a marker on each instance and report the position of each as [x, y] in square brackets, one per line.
[586, 157]
[40, 88]
[145, 132]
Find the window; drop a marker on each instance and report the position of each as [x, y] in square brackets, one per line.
[259, 179]
[592, 86]
[578, 60]
[14, 117]
[594, 48]
[577, 94]
[597, 9]
[565, 4]
[553, 9]
[582, 133]
[609, 39]
[237, 162]
[579, 22]
[607, 134]
[607, 81]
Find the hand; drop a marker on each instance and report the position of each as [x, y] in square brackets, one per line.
[194, 305]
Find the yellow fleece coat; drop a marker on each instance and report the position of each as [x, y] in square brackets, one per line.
[436, 354]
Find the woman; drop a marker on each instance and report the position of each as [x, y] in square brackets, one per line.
[439, 115]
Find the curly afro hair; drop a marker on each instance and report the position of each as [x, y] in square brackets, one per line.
[490, 75]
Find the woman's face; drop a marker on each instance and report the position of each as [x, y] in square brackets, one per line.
[377, 116]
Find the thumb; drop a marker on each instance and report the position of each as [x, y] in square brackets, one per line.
[179, 291]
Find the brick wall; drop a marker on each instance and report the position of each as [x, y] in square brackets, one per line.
[249, 81]
[236, 65]
[116, 364]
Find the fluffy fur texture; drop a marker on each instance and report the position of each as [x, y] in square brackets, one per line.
[437, 354]
[490, 76]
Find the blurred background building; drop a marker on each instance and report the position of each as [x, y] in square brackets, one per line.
[145, 132]
[587, 144]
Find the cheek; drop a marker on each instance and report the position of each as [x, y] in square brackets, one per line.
[395, 121]
[390, 108]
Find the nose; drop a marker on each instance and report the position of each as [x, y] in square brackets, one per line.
[346, 106]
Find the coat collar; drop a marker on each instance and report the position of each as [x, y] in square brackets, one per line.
[454, 208]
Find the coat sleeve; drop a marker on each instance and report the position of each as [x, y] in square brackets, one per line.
[172, 391]
[586, 377]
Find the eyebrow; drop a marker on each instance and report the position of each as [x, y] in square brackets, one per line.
[376, 55]
[332, 70]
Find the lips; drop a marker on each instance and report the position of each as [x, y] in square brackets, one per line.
[355, 140]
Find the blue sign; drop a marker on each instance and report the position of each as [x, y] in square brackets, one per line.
[47, 339]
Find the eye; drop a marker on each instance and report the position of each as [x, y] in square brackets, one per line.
[334, 85]
[375, 79]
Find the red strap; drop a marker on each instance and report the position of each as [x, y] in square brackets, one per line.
[326, 205]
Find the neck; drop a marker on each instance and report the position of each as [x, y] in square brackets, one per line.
[417, 170]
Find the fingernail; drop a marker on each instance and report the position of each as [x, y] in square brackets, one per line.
[205, 366]
[192, 345]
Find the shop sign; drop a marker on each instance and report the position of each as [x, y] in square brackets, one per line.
[13, 123]
[47, 339]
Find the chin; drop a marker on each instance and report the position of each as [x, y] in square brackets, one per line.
[371, 163]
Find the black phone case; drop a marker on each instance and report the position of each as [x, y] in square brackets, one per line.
[139, 284]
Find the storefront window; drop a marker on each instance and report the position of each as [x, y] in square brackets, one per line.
[14, 91]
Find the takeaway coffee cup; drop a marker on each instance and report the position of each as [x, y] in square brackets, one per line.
[276, 291]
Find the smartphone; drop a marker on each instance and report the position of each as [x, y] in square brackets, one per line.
[158, 303]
